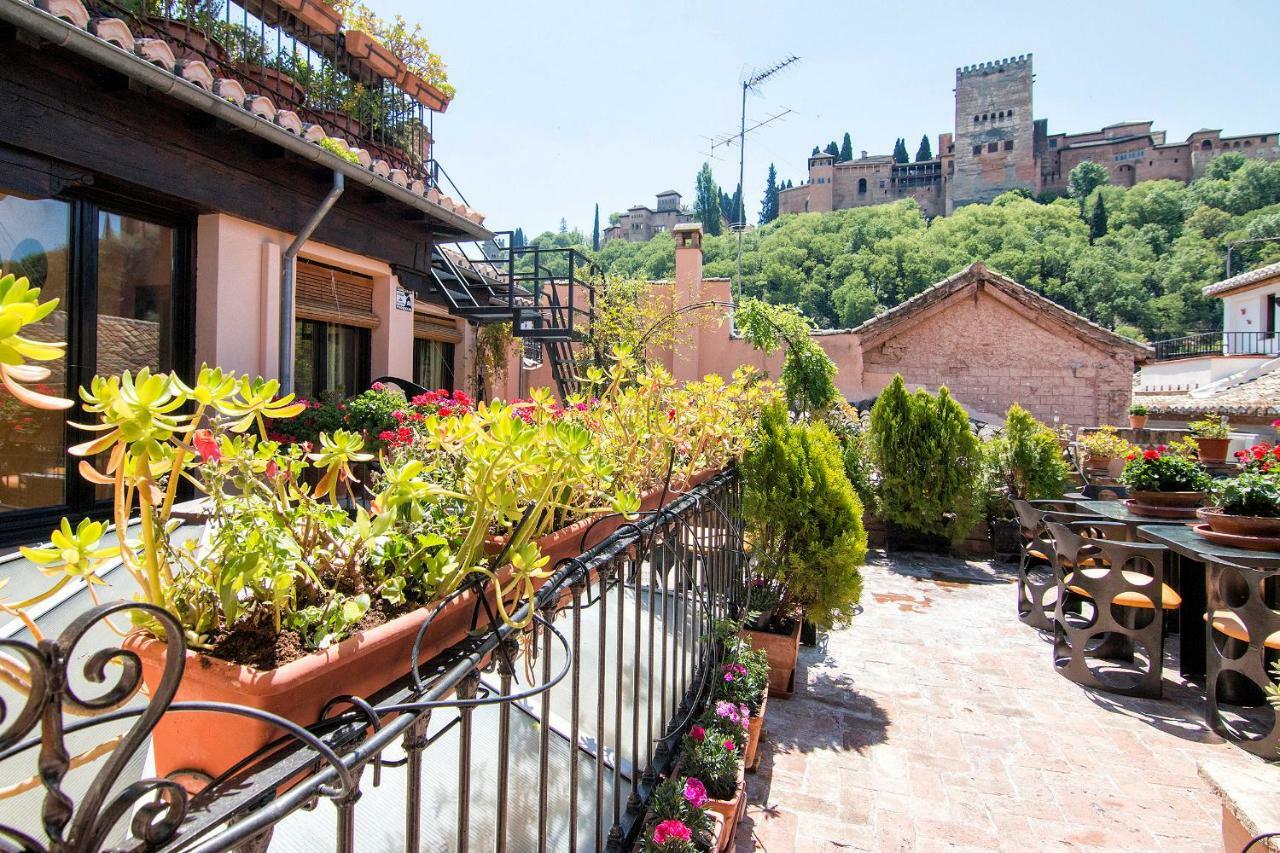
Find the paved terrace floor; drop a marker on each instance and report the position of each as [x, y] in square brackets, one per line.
[936, 722]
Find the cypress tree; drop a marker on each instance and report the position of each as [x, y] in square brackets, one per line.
[595, 231]
[769, 204]
[833, 149]
[739, 211]
[816, 151]
[925, 151]
[706, 204]
[900, 151]
[517, 239]
[1098, 220]
[846, 147]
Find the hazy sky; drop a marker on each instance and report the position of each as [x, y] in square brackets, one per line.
[565, 104]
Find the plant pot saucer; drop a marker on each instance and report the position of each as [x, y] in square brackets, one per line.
[1233, 540]
[1240, 525]
[1160, 511]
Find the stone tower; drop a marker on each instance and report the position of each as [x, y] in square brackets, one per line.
[995, 132]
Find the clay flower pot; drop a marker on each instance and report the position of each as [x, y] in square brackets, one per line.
[319, 16]
[274, 84]
[1098, 463]
[1213, 449]
[377, 57]
[782, 651]
[1138, 421]
[343, 123]
[363, 663]
[422, 91]
[189, 41]
[755, 726]
[1240, 525]
[731, 810]
[1165, 504]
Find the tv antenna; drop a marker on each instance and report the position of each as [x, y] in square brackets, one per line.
[752, 83]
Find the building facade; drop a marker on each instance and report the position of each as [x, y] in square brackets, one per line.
[998, 145]
[640, 223]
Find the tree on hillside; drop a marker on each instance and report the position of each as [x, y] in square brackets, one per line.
[564, 225]
[706, 205]
[1084, 179]
[726, 206]
[769, 204]
[595, 231]
[736, 206]
[816, 151]
[1098, 220]
[615, 218]
[788, 183]
[925, 151]
[833, 149]
[846, 147]
[517, 239]
[900, 152]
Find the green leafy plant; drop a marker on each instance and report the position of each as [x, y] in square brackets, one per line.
[403, 39]
[1106, 443]
[1210, 426]
[1154, 471]
[340, 148]
[680, 800]
[808, 373]
[1252, 493]
[929, 460]
[804, 520]
[1137, 410]
[713, 756]
[20, 307]
[1023, 462]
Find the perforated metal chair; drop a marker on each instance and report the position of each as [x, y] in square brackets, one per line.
[1109, 617]
[1244, 643]
[1037, 580]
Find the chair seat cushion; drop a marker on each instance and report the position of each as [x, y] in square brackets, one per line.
[1227, 622]
[1169, 598]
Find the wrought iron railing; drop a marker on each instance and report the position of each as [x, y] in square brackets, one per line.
[272, 51]
[551, 737]
[1218, 343]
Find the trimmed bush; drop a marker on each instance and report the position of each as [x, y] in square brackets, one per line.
[1024, 462]
[929, 462]
[804, 519]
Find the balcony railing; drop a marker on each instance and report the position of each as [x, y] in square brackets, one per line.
[308, 70]
[1218, 343]
[551, 737]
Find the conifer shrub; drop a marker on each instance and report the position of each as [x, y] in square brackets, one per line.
[929, 460]
[1024, 462]
[804, 519]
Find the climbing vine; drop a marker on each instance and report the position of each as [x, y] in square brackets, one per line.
[808, 373]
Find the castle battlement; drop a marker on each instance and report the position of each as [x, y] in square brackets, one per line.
[988, 67]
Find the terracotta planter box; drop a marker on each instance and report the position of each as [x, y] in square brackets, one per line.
[343, 123]
[360, 665]
[189, 41]
[373, 54]
[1098, 463]
[1213, 449]
[422, 91]
[782, 651]
[319, 16]
[730, 811]
[274, 84]
[755, 726]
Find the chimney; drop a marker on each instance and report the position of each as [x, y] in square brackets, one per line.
[688, 290]
[864, 153]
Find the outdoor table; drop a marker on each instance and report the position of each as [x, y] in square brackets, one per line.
[1189, 552]
[1119, 511]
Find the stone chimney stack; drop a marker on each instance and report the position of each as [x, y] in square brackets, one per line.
[688, 289]
[864, 153]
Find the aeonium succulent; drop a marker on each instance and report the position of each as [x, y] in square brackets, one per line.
[20, 307]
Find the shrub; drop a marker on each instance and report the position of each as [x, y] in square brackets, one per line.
[1105, 443]
[1252, 493]
[1210, 426]
[929, 460]
[1153, 471]
[1024, 462]
[803, 518]
[1137, 410]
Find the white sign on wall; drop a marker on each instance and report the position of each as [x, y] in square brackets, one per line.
[404, 299]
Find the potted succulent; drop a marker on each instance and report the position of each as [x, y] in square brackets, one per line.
[679, 820]
[1023, 462]
[1102, 446]
[1212, 435]
[1138, 416]
[1164, 484]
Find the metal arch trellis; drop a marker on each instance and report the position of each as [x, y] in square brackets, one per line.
[701, 584]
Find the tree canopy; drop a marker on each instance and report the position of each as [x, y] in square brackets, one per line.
[706, 205]
[925, 151]
[846, 147]
[900, 151]
[769, 204]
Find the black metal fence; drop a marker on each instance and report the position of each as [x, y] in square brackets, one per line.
[1218, 343]
[547, 738]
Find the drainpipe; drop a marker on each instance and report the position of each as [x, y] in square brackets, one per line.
[286, 281]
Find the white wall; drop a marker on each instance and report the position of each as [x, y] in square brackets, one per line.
[1246, 312]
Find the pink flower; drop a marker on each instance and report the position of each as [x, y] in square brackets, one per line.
[730, 745]
[206, 445]
[386, 435]
[697, 733]
[273, 470]
[377, 386]
[695, 792]
[671, 830]
[1276, 423]
[399, 416]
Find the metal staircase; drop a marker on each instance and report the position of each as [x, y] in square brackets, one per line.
[548, 295]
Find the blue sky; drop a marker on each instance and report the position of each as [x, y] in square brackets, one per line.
[564, 104]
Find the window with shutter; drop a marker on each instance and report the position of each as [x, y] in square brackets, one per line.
[331, 295]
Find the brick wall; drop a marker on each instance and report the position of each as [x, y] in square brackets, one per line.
[990, 356]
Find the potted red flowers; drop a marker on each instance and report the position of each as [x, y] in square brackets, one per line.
[1164, 484]
[1247, 514]
[679, 820]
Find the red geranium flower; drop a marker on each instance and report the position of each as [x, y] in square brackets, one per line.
[697, 733]
[206, 445]
[671, 830]
[1151, 455]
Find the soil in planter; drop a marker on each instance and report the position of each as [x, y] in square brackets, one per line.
[259, 646]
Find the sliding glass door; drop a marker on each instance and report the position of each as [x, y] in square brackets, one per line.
[122, 278]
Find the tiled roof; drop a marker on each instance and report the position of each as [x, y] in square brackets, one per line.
[978, 272]
[1258, 397]
[1244, 279]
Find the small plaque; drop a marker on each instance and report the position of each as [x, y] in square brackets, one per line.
[404, 299]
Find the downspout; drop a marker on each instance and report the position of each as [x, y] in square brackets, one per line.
[286, 281]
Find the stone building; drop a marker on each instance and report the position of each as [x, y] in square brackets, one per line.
[640, 223]
[998, 145]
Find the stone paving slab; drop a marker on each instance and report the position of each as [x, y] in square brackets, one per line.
[936, 722]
